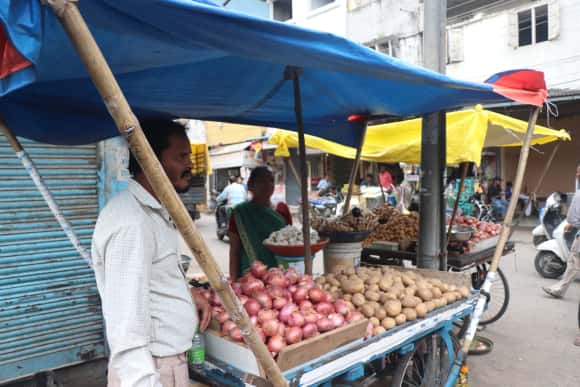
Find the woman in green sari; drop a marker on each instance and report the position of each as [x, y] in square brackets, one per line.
[252, 222]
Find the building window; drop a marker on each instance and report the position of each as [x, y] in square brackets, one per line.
[282, 10]
[314, 4]
[382, 46]
[533, 25]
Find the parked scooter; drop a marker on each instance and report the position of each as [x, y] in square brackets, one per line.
[550, 217]
[551, 259]
[221, 219]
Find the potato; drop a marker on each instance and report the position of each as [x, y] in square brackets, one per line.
[436, 292]
[407, 280]
[353, 286]
[339, 269]
[393, 308]
[347, 297]
[400, 319]
[358, 299]
[372, 296]
[410, 314]
[464, 292]
[373, 279]
[320, 280]
[378, 330]
[380, 313]
[373, 288]
[450, 296]
[430, 305]
[385, 284]
[374, 304]
[350, 305]
[442, 301]
[424, 294]
[410, 291]
[333, 288]
[421, 310]
[387, 296]
[375, 321]
[388, 323]
[350, 271]
[452, 288]
[368, 310]
[411, 301]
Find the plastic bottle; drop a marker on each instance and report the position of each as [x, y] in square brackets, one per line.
[197, 351]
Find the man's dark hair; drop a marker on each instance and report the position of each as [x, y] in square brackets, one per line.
[158, 132]
[232, 179]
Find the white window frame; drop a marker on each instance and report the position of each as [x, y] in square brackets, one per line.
[553, 23]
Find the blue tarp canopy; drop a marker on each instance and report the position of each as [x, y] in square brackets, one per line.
[192, 59]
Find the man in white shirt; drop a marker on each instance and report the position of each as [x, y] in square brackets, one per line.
[150, 312]
[234, 193]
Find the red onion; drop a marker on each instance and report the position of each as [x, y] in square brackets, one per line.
[370, 329]
[254, 320]
[251, 286]
[286, 311]
[305, 278]
[337, 319]
[307, 284]
[264, 299]
[293, 335]
[252, 307]
[325, 308]
[236, 334]
[309, 330]
[275, 292]
[316, 295]
[296, 319]
[215, 311]
[292, 288]
[223, 317]
[243, 299]
[341, 307]
[327, 297]
[237, 288]
[276, 279]
[258, 269]
[279, 303]
[354, 316]
[265, 315]
[311, 317]
[281, 329]
[292, 276]
[324, 324]
[306, 305]
[276, 344]
[300, 294]
[270, 327]
[206, 294]
[227, 327]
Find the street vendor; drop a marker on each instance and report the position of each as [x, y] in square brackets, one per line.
[254, 221]
[149, 310]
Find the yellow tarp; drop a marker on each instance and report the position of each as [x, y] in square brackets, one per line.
[468, 132]
[200, 159]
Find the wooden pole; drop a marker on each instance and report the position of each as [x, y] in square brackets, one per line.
[546, 168]
[456, 204]
[354, 169]
[293, 73]
[129, 127]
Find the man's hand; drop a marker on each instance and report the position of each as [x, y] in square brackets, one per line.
[203, 309]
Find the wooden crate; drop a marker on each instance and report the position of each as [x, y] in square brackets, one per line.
[241, 357]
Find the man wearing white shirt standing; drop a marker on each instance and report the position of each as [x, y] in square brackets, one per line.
[149, 310]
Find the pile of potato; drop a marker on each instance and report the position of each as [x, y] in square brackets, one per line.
[389, 297]
[364, 221]
[398, 228]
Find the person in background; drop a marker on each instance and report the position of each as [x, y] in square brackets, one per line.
[149, 310]
[234, 193]
[385, 178]
[369, 181]
[494, 196]
[253, 221]
[323, 184]
[241, 181]
[571, 234]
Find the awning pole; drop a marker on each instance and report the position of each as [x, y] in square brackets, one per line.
[354, 169]
[505, 232]
[456, 204]
[129, 126]
[546, 168]
[294, 73]
[43, 189]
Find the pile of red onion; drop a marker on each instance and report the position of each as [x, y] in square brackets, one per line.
[285, 307]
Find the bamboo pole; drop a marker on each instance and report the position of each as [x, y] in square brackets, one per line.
[459, 192]
[128, 125]
[293, 73]
[46, 194]
[505, 232]
[354, 169]
[545, 171]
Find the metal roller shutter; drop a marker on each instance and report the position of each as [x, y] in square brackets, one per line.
[50, 313]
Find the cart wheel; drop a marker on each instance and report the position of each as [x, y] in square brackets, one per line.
[412, 368]
[499, 294]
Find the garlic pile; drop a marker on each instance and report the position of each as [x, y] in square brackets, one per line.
[290, 236]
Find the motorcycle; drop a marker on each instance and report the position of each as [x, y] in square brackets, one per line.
[324, 207]
[550, 261]
[481, 211]
[221, 219]
[550, 217]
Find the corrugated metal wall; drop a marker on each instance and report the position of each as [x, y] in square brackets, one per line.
[50, 313]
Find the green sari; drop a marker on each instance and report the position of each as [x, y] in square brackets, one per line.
[255, 223]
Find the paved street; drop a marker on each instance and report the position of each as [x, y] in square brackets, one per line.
[533, 340]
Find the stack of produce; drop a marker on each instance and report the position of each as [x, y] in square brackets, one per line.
[394, 226]
[290, 236]
[356, 220]
[389, 297]
[483, 230]
[285, 308]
